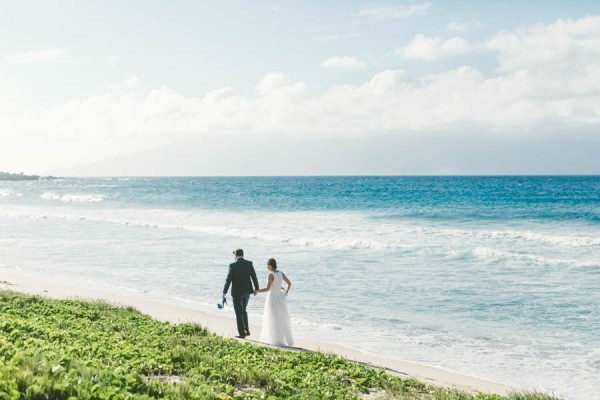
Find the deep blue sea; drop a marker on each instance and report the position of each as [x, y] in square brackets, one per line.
[496, 277]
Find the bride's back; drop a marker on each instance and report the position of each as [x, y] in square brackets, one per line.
[277, 281]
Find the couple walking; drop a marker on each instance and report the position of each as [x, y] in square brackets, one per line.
[277, 327]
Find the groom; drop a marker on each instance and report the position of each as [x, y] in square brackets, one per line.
[240, 273]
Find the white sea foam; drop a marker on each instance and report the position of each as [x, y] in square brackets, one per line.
[560, 240]
[514, 235]
[493, 255]
[101, 186]
[9, 192]
[50, 196]
[339, 231]
[80, 198]
[222, 224]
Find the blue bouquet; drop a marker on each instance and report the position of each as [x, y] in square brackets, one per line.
[222, 303]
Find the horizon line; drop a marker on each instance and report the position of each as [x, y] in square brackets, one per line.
[329, 176]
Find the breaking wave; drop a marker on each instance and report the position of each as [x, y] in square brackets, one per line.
[8, 192]
[72, 198]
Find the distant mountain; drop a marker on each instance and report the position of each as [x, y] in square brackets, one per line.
[441, 154]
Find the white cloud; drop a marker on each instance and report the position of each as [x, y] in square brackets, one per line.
[41, 56]
[434, 48]
[131, 82]
[279, 84]
[548, 81]
[112, 61]
[462, 27]
[344, 62]
[565, 47]
[401, 11]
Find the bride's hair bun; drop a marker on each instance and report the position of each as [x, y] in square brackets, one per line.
[273, 263]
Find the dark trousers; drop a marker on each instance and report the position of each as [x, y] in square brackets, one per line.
[241, 316]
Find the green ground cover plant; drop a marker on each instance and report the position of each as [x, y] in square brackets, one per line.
[68, 349]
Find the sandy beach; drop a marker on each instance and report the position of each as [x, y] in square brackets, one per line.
[225, 326]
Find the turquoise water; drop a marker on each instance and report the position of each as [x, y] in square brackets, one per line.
[496, 277]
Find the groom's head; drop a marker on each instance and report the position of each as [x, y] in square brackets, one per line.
[239, 253]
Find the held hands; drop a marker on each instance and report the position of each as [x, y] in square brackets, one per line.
[255, 292]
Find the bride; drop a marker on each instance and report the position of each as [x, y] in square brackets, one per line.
[277, 327]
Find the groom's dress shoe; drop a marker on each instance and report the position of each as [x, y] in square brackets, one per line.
[247, 333]
[240, 336]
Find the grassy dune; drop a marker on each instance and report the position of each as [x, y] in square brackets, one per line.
[62, 349]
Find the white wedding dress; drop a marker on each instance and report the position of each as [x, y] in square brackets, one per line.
[276, 327]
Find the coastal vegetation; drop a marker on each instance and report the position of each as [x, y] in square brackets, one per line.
[7, 176]
[68, 349]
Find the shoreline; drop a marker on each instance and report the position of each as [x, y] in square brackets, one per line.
[225, 327]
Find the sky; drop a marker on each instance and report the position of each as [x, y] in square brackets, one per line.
[305, 87]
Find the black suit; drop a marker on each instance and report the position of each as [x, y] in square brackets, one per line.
[241, 276]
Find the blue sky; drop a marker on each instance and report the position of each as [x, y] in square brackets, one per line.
[85, 81]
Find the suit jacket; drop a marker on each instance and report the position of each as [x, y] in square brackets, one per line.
[239, 276]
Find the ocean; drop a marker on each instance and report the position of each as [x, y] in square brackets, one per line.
[494, 277]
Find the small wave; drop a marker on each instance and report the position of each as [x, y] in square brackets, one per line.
[8, 192]
[79, 198]
[577, 241]
[101, 186]
[495, 256]
[339, 231]
[159, 219]
[49, 196]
